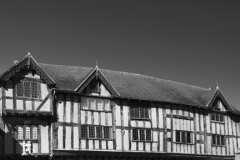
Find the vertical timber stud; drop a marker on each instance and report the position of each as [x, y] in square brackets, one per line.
[79, 120]
[195, 132]
[121, 112]
[64, 119]
[171, 111]
[158, 130]
[14, 95]
[92, 124]
[113, 106]
[39, 138]
[165, 128]
[205, 131]
[150, 112]
[86, 120]
[49, 136]
[99, 120]
[71, 118]
[129, 125]
[3, 124]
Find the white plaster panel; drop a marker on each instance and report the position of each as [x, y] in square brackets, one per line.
[44, 139]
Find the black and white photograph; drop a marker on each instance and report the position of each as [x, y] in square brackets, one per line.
[119, 80]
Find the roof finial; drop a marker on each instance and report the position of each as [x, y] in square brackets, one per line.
[217, 86]
[96, 64]
[29, 52]
[209, 87]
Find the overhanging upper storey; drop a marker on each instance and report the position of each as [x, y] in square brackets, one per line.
[26, 65]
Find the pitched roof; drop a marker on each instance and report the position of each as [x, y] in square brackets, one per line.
[133, 86]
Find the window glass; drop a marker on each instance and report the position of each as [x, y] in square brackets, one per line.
[148, 135]
[92, 103]
[135, 134]
[34, 133]
[106, 132]
[99, 104]
[142, 134]
[107, 106]
[84, 103]
[20, 89]
[99, 131]
[91, 132]
[34, 90]
[20, 132]
[84, 131]
[27, 89]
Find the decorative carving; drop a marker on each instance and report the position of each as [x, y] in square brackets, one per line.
[27, 148]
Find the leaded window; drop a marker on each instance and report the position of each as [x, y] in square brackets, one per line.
[27, 89]
[141, 134]
[95, 132]
[218, 139]
[28, 132]
[95, 104]
[183, 137]
[217, 117]
[139, 111]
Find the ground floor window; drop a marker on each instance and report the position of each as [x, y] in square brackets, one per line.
[218, 139]
[183, 137]
[95, 132]
[27, 132]
[141, 134]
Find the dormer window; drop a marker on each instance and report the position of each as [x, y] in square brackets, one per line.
[27, 89]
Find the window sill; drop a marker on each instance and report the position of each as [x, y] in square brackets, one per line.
[141, 119]
[27, 140]
[106, 139]
[95, 110]
[184, 143]
[217, 122]
[142, 141]
[215, 145]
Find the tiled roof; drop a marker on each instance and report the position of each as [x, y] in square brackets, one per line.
[133, 86]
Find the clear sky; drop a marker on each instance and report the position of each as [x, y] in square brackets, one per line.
[191, 41]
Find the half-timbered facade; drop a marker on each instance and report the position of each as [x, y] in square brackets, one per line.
[67, 112]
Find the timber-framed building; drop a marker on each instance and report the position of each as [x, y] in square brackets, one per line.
[80, 113]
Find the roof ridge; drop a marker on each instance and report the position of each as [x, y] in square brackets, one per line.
[124, 72]
[65, 65]
[158, 79]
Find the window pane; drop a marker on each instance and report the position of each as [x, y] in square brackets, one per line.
[83, 131]
[106, 132]
[34, 133]
[92, 103]
[20, 89]
[222, 140]
[213, 139]
[84, 102]
[142, 134]
[142, 115]
[178, 139]
[91, 132]
[213, 116]
[218, 140]
[99, 104]
[99, 132]
[137, 112]
[20, 133]
[188, 137]
[135, 134]
[132, 112]
[148, 135]
[221, 118]
[34, 90]
[27, 89]
[217, 117]
[27, 133]
[183, 137]
[107, 105]
[146, 112]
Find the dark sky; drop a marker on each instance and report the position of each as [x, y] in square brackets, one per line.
[191, 41]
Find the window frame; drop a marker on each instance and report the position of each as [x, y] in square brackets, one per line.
[217, 117]
[140, 111]
[31, 133]
[104, 107]
[183, 137]
[91, 132]
[217, 140]
[142, 134]
[27, 86]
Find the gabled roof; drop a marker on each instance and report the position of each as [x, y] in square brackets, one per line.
[133, 86]
[96, 72]
[29, 62]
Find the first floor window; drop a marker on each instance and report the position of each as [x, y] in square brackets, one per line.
[98, 132]
[95, 104]
[27, 89]
[27, 132]
[217, 117]
[141, 134]
[218, 139]
[183, 137]
[139, 111]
